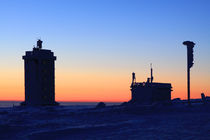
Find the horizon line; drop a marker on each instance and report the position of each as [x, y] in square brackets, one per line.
[65, 101]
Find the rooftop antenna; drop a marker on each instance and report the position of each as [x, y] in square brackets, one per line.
[151, 73]
[39, 44]
[133, 78]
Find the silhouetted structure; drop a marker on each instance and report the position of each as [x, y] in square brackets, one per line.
[101, 105]
[203, 97]
[150, 92]
[39, 76]
[190, 63]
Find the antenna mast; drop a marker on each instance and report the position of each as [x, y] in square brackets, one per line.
[39, 44]
[133, 78]
[151, 73]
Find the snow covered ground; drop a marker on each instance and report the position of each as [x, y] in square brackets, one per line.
[117, 122]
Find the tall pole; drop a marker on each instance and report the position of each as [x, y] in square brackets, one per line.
[188, 82]
[190, 63]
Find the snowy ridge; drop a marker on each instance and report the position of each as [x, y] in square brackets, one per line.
[176, 121]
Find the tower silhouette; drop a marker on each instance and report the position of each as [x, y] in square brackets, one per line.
[39, 76]
[190, 63]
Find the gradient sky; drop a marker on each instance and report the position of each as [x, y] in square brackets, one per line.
[99, 43]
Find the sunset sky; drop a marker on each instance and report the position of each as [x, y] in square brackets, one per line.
[99, 43]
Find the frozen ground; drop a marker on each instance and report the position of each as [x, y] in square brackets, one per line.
[82, 122]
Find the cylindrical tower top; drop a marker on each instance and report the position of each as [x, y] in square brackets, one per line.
[39, 44]
[189, 43]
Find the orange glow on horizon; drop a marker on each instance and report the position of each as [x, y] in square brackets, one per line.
[105, 86]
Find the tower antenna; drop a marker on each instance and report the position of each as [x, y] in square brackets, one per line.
[39, 44]
[133, 78]
[151, 72]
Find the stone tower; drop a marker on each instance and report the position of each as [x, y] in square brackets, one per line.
[39, 76]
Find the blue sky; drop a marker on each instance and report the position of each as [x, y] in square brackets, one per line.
[109, 35]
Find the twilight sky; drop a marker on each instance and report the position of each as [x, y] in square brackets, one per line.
[99, 43]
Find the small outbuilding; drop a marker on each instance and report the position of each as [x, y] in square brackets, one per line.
[150, 92]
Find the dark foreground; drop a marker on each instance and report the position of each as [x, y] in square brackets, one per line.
[70, 122]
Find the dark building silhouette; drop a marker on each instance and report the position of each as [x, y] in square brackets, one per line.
[149, 92]
[39, 76]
